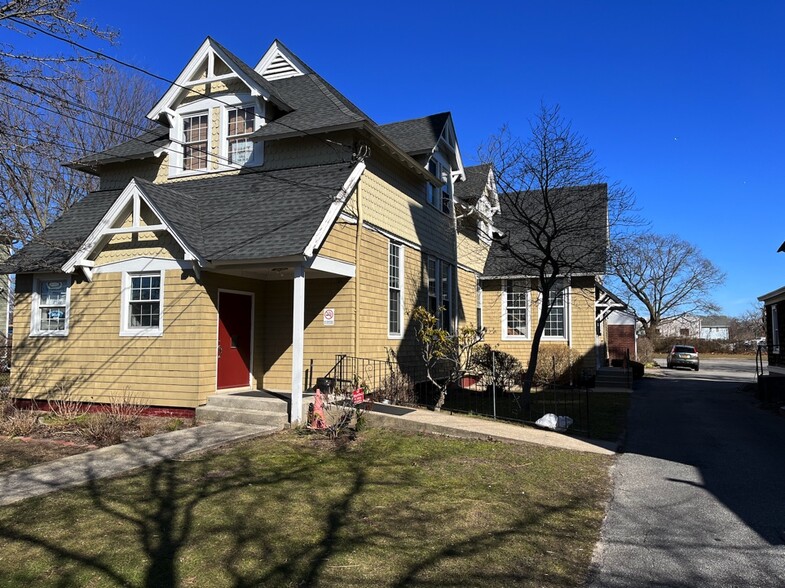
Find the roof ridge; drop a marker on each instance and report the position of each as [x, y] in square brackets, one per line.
[338, 99]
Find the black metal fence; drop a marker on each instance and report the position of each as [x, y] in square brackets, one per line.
[485, 394]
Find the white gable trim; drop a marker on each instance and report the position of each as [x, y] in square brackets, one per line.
[334, 210]
[143, 264]
[272, 56]
[131, 194]
[206, 51]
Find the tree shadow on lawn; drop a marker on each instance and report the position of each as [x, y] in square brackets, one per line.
[299, 517]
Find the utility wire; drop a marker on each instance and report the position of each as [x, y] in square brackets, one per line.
[153, 75]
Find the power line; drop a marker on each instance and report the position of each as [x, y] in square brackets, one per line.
[154, 75]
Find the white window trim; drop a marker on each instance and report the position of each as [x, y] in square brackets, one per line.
[433, 196]
[125, 330]
[401, 248]
[452, 327]
[258, 149]
[567, 317]
[505, 335]
[35, 318]
[478, 304]
[775, 329]
[208, 104]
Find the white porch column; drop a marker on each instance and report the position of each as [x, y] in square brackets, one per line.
[298, 328]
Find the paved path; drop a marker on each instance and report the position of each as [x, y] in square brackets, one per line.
[444, 423]
[699, 494]
[119, 459]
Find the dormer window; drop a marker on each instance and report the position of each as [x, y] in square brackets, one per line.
[240, 122]
[440, 198]
[195, 128]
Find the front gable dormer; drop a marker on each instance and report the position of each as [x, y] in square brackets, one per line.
[211, 109]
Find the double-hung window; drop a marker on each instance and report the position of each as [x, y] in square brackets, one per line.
[195, 134]
[516, 310]
[395, 301]
[556, 322]
[240, 125]
[51, 301]
[775, 329]
[440, 198]
[142, 311]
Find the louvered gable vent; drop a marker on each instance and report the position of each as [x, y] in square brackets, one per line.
[279, 68]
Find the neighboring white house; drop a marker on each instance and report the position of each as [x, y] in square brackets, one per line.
[695, 327]
[715, 328]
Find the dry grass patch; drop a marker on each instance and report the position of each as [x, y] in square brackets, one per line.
[386, 510]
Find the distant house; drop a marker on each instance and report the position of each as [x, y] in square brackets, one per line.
[696, 327]
[681, 326]
[715, 328]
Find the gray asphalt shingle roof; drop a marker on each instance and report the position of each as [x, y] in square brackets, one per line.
[470, 190]
[144, 145]
[316, 105]
[417, 135]
[579, 242]
[235, 217]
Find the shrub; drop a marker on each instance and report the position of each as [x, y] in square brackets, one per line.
[508, 369]
[645, 351]
[396, 386]
[554, 366]
[103, 428]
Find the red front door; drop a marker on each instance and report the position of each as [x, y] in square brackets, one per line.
[234, 339]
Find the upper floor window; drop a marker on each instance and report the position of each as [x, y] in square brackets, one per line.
[240, 122]
[440, 198]
[51, 301]
[195, 133]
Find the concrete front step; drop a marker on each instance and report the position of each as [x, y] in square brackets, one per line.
[213, 414]
[252, 408]
[272, 405]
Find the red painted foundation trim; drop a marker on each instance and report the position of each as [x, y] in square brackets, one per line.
[158, 411]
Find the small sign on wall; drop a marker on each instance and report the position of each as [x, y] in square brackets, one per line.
[329, 316]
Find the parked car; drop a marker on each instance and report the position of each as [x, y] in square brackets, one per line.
[685, 356]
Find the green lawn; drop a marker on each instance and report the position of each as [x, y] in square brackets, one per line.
[608, 414]
[292, 510]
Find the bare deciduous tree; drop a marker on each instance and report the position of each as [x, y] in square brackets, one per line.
[751, 324]
[54, 109]
[556, 210]
[666, 276]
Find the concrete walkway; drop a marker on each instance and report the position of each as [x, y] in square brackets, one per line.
[123, 458]
[120, 459]
[451, 425]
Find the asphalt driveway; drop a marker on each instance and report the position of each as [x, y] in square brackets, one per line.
[699, 494]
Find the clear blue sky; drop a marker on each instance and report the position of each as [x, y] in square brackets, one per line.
[684, 102]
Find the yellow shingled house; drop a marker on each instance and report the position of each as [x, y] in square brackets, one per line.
[262, 227]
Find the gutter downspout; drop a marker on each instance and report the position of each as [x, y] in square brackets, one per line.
[357, 268]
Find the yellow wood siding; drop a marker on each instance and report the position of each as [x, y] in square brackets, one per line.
[582, 340]
[396, 203]
[95, 364]
[472, 252]
[340, 242]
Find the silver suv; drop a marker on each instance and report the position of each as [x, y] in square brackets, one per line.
[685, 356]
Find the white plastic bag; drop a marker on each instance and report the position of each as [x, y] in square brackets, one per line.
[554, 423]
